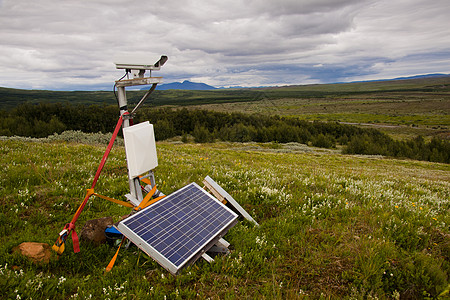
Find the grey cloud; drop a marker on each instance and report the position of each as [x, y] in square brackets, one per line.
[73, 43]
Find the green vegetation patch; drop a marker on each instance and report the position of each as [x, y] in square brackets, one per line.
[330, 225]
[206, 126]
[418, 106]
[392, 120]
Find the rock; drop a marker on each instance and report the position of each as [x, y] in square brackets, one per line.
[37, 252]
[94, 230]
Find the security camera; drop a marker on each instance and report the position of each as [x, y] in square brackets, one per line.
[161, 61]
[139, 66]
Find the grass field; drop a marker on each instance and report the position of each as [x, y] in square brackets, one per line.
[410, 113]
[414, 106]
[408, 107]
[332, 226]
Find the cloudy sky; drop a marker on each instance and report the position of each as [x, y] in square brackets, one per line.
[71, 45]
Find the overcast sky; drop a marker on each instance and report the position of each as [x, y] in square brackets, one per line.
[72, 45]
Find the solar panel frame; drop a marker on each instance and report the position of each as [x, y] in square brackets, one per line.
[202, 221]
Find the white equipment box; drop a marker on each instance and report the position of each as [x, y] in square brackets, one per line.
[140, 148]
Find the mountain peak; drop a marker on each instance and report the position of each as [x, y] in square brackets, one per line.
[185, 85]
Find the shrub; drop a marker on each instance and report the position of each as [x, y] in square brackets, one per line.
[202, 135]
[324, 141]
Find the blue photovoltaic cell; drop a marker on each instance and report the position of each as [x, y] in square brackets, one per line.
[179, 226]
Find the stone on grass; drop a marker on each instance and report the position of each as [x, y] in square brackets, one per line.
[94, 230]
[37, 252]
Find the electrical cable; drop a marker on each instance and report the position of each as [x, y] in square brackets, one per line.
[147, 94]
[114, 88]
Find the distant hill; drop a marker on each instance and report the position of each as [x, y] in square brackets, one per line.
[421, 76]
[190, 93]
[425, 76]
[189, 85]
[185, 85]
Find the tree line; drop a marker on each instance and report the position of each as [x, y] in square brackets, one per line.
[436, 150]
[42, 120]
[208, 126]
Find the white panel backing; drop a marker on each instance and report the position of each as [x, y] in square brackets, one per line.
[220, 193]
[140, 148]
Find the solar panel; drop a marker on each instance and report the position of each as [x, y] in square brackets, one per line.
[178, 229]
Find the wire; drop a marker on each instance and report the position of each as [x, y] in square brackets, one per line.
[114, 88]
[143, 98]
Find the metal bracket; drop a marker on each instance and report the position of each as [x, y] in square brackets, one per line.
[138, 81]
[128, 116]
[132, 199]
[221, 246]
[207, 258]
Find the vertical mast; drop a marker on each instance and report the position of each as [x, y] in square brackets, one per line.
[138, 71]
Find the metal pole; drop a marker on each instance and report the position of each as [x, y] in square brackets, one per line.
[123, 106]
[135, 195]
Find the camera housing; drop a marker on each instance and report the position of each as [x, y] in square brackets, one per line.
[139, 66]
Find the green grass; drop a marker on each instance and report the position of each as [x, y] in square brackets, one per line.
[332, 226]
[413, 113]
[410, 120]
